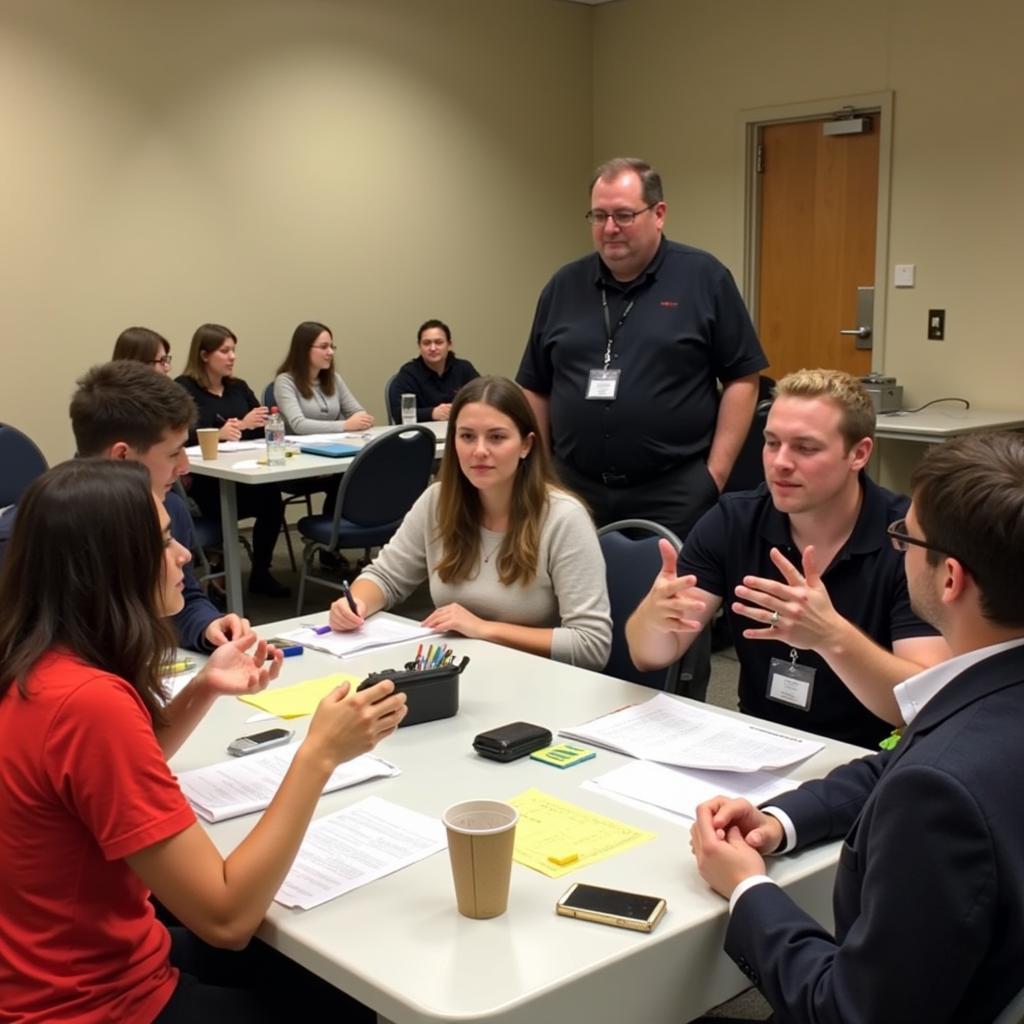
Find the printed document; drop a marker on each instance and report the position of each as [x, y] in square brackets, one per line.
[359, 844]
[242, 785]
[673, 732]
[378, 631]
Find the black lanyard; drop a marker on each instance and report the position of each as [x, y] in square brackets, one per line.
[608, 323]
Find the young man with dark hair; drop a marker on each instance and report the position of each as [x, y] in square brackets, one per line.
[930, 882]
[123, 410]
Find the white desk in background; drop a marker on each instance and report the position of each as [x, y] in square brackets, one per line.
[400, 946]
[297, 467]
[940, 422]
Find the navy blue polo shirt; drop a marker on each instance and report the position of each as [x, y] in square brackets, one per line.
[688, 328]
[865, 582]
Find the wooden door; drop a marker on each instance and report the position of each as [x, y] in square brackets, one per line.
[816, 246]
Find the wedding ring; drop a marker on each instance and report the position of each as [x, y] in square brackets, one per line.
[775, 617]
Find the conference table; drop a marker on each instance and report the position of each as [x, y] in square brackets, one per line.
[400, 946]
[232, 468]
[939, 423]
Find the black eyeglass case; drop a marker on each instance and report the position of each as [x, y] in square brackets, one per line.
[430, 694]
[512, 741]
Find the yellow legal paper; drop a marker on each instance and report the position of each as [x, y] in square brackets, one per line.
[549, 827]
[300, 699]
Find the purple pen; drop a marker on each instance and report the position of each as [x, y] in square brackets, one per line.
[319, 630]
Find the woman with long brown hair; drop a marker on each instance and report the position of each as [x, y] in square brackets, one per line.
[91, 818]
[510, 555]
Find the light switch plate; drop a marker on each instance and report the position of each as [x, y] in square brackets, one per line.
[903, 275]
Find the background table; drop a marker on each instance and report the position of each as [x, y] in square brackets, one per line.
[296, 467]
[399, 944]
[940, 422]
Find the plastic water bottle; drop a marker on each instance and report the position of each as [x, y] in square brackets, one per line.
[273, 430]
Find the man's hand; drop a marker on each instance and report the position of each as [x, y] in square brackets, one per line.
[231, 671]
[671, 606]
[442, 411]
[453, 618]
[806, 618]
[228, 627]
[724, 856]
[760, 831]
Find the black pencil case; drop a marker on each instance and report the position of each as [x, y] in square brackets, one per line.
[512, 741]
[430, 693]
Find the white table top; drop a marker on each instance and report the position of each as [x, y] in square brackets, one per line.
[399, 944]
[297, 467]
[939, 422]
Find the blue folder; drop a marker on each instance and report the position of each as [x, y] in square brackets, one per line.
[330, 450]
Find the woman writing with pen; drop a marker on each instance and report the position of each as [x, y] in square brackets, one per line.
[227, 403]
[510, 556]
[91, 817]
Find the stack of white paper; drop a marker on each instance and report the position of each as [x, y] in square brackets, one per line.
[351, 847]
[677, 733]
[246, 784]
[679, 790]
[377, 631]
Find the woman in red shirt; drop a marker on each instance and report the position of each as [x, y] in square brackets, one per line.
[91, 817]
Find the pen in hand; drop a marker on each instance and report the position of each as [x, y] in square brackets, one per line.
[348, 597]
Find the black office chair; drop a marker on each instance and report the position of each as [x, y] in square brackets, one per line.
[380, 486]
[22, 462]
[297, 492]
[387, 399]
[748, 470]
[632, 560]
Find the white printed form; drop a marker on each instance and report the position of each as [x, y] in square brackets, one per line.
[359, 844]
[242, 785]
[677, 733]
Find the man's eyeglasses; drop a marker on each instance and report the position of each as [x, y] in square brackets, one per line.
[901, 540]
[163, 360]
[623, 218]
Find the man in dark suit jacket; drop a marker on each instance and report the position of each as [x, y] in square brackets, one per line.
[929, 890]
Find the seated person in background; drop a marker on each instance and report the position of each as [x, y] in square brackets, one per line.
[510, 556]
[227, 403]
[123, 411]
[91, 817]
[434, 376]
[144, 346]
[309, 392]
[930, 882]
[807, 557]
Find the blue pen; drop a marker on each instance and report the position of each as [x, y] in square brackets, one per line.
[348, 597]
[319, 630]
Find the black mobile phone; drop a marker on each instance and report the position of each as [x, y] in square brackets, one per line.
[259, 741]
[611, 906]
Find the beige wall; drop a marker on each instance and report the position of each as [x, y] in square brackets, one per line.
[261, 162]
[671, 79]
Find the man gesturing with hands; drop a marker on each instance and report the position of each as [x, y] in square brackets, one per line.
[814, 591]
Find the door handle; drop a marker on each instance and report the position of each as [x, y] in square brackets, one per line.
[859, 332]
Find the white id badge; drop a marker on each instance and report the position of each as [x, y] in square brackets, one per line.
[790, 683]
[603, 384]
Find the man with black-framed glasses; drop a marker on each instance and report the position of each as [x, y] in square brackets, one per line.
[930, 883]
[627, 348]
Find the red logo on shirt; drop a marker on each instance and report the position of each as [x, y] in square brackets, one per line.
[668, 304]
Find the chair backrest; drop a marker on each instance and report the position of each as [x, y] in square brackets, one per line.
[1013, 1012]
[632, 560]
[268, 395]
[748, 470]
[22, 462]
[387, 399]
[386, 477]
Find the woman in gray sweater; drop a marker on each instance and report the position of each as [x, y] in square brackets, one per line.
[312, 397]
[510, 556]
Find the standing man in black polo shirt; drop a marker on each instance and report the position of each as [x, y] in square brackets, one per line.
[821, 617]
[624, 356]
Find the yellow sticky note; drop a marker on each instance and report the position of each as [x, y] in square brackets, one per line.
[300, 699]
[555, 837]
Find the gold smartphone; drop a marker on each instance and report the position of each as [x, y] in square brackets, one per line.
[611, 906]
